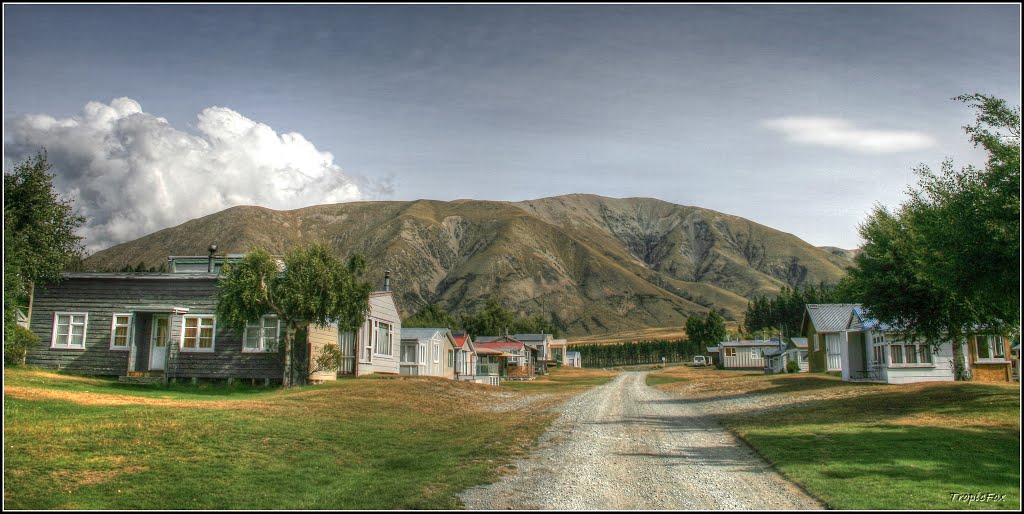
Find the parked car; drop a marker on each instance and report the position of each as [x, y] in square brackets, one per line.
[701, 360]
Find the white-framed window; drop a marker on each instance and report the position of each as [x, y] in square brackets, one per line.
[69, 330]
[198, 333]
[730, 352]
[120, 328]
[451, 358]
[989, 348]
[437, 353]
[803, 356]
[408, 354]
[817, 343]
[382, 343]
[422, 353]
[878, 345]
[262, 337]
[903, 353]
[756, 354]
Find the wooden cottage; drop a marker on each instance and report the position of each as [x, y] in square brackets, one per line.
[520, 357]
[796, 350]
[162, 325]
[745, 354]
[428, 352]
[823, 325]
[373, 348]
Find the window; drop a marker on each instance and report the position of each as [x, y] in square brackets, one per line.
[730, 352]
[756, 354]
[803, 356]
[437, 352]
[817, 344]
[69, 330]
[990, 348]
[451, 358]
[198, 334]
[120, 327]
[408, 354]
[262, 337]
[904, 353]
[383, 340]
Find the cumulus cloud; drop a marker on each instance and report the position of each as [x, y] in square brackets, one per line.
[131, 173]
[839, 133]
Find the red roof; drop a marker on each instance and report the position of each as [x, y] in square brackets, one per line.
[460, 339]
[502, 345]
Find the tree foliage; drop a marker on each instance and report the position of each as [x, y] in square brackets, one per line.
[946, 262]
[432, 316]
[39, 233]
[707, 330]
[784, 311]
[637, 352]
[312, 287]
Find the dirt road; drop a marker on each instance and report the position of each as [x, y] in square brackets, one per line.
[625, 445]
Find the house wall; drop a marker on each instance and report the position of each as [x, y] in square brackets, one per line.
[382, 308]
[743, 358]
[101, 297]
[989, 371]
[942, 371]
[816, 359]
[318, 338]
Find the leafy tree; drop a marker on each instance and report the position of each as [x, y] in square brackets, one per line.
[496, 320]
[946, 262]
[695, 328]
[714, 328]
[39, 234]
[312, 288]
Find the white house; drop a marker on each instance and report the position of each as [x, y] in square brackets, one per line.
[373, 348]
[573, 359]
[796, 350]
[428, 352]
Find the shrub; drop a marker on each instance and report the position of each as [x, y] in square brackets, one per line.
[792, 367]
[17, 346]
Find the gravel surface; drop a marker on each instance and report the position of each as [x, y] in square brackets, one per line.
[627, 446]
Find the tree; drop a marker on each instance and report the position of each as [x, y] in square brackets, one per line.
[311, 288]
[39, 234]
[714, 328]
[431, 316]
[695, 328]
[946, 262]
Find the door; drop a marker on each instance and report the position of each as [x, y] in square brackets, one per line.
[158, 343]
[832, 349]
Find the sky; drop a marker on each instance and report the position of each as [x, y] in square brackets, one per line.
[798, 117]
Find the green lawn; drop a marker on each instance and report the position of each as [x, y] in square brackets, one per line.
[904, 447]
[84, 443]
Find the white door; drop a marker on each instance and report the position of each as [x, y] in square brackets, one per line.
[158, 343]
[832, 342]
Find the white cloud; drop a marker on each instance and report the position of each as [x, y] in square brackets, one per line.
[839, 133]
[131, 173]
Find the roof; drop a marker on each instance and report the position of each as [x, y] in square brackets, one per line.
[421, 333]
[460, 340]
[774, 352]
[712, 349]
[529, 338]
[141, 276]
[501, 345]
[799, 342]
[830, 317]
[748, 343]
[492, 339]
[488, 351]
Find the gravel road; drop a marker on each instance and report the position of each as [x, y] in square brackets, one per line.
[627, 446]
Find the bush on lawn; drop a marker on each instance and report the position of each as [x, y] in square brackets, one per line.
[17, 347]
[792, 367]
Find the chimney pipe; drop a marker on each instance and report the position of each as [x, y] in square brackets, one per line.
[212, 250]
[387, 280]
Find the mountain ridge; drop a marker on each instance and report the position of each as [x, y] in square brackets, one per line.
[598, 264]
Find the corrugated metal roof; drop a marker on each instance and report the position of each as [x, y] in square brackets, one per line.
[748, 343]
[799, 342]
[830, 317]
[141, 276]
[531, 337]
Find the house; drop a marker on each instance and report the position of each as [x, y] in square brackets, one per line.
[159, 324]
[558, 349]
[745, 354]
[541, 343]
[775, 357]
[573, 359]
[475, 365]
[491, 365]
[520, 359]
[823, 325]
[372, 348]
[871, 351]
[796, 350]
[428, 352]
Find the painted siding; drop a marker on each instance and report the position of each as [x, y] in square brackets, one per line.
[941, 372]
[100, 297]
[989, 371]
[318, 338]
[815, 357]
[744, 359]
[382, 308]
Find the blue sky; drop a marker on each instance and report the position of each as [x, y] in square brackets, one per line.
[797, 117]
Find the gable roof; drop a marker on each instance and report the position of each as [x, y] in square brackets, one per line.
[421, 333]
[514, 346]
[461, 339]
[531, 338]
[797, 342]
[492, 339]
[828, 317]
[748, 343]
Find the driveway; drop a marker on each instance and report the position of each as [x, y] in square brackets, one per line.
[624, 446]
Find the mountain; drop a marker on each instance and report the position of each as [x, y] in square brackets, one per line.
[599, 264]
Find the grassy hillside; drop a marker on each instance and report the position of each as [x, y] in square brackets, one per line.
[603, 265]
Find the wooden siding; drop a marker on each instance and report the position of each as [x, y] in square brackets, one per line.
[743, 358]
[101, 297]
[988, 371]
[382, 308]
[318, 338]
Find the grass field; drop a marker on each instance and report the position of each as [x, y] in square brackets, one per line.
[872, 446]
[88, 443]
[566, 380]
[647, 334]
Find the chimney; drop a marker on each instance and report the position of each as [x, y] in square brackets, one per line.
[387, 280]
[212, 250]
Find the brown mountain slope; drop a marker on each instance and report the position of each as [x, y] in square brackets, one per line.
[601, 264]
